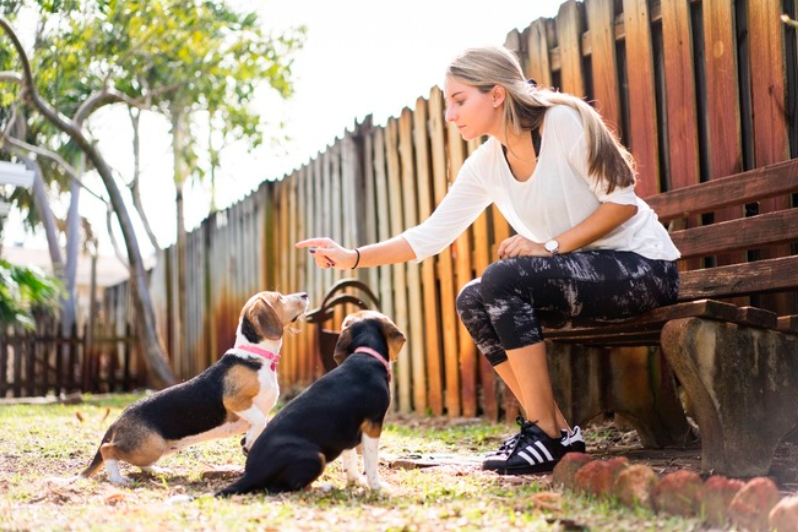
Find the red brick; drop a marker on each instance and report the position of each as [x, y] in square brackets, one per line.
[751, 507]
[596, 477]
[634, 484]
[564, 472]
[784, 516]
[678, 493]
[717, 495]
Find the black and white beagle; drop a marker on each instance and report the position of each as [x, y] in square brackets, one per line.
[233, 396]
[344, 408]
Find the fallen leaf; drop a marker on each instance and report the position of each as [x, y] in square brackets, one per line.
[548, 500]
[115, 498]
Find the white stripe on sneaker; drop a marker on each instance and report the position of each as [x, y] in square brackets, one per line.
[526, 457]
[542, 447]
[532, 450]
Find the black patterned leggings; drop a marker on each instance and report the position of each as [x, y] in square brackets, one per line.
[504, 309]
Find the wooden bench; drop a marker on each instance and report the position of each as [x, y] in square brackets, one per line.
[736, 361]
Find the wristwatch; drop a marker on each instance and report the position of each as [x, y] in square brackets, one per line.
[552, 246]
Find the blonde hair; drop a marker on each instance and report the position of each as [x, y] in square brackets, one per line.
[525, 106]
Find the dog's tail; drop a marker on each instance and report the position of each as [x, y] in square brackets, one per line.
[98, 458]
[243, 485]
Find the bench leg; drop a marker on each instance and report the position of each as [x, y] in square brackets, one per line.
[743, 384]
[636, 383]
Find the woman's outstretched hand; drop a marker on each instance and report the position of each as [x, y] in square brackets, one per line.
[329, 254]
[518, 246]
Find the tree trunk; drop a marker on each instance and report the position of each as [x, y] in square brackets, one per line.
[135, 185]
[180, 356]
[68, 303]
[151, 344]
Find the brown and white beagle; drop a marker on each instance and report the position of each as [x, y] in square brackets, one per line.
[344, 408]
[233, 396]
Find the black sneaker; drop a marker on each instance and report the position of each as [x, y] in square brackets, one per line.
[509, 444]
[533, 452]
[573, 442]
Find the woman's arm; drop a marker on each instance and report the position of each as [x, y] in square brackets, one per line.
[606, 218]
[603, 220]
[329, 254]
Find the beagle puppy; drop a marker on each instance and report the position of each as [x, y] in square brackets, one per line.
[233, 396]
[344, 408]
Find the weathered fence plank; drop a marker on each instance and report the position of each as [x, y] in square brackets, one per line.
[569, 31]
[603, 61]
[449, 321]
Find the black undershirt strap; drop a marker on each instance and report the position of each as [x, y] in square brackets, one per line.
[536, 141]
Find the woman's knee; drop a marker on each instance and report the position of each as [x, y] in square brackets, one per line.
[470, 296]
[501, 278]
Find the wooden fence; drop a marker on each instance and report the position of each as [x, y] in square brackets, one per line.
[46, 361]
[698, 89]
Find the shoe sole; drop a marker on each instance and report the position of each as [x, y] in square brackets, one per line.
[547, 467]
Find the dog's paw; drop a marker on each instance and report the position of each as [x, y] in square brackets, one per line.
[382, 488]
[120, 481]
[356, 481]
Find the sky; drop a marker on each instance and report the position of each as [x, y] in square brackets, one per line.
[360, 57]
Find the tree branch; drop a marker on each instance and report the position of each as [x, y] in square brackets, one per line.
[12, 77]
[105, 97]
[73, 174]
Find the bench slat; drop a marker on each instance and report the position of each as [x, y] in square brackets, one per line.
[762, 276]
[746, 233]
[757, 317]
[788, 324]
[645, 329]
[738, 189]
[650, 321]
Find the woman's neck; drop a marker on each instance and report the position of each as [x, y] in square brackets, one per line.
[518, 146]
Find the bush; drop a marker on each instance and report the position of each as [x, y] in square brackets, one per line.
[23, 290]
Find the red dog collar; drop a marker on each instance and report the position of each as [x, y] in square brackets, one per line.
[371, 352]
[268, 355]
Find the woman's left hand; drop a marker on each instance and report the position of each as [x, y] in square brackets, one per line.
[518, 246]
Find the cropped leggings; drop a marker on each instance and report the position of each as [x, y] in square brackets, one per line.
[505, 308]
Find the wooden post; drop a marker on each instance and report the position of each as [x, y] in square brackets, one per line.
[3, 361]
[18, 355]
[126, 347]
[30, 364]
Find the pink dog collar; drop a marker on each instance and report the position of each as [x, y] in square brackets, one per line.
[371, 352]
[268, 355]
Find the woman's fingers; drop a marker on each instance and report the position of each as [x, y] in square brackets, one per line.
[315, 243]
[323, 250]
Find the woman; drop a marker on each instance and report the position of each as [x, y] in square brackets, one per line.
[586, 246]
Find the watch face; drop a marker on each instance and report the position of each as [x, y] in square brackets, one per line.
[551, 246]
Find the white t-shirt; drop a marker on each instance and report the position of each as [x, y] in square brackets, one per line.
[559, 195]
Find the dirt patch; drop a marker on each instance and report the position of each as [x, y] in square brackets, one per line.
[604, 441]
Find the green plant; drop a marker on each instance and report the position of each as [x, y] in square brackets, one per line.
[23, 290]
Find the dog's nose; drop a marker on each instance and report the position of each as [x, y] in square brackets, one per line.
[303, 295]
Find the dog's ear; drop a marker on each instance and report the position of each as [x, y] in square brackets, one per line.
[395, 338]
[342, 345]
[265, 319]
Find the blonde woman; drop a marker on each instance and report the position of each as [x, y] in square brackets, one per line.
[586, 247]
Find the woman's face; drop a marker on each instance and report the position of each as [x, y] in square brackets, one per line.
[475, 113]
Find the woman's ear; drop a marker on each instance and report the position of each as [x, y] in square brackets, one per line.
[499, 93]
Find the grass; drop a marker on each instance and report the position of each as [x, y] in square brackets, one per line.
[42, 446]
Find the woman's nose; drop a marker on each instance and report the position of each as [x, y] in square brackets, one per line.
[448, 115]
